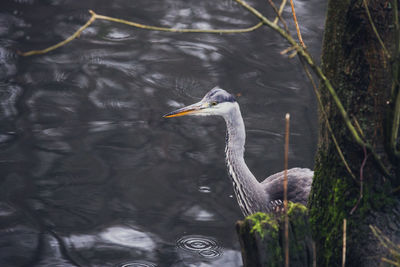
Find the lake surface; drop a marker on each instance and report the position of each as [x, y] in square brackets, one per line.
[92, 175]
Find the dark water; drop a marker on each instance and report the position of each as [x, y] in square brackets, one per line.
[92, 175]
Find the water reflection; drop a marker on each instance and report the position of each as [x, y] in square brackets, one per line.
[199, 214]
[92, 175]
[124, 236]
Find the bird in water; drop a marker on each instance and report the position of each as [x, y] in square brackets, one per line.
[252, 196]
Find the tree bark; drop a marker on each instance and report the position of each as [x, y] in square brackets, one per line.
[355, 63]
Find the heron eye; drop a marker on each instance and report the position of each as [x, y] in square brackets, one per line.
[214, 103]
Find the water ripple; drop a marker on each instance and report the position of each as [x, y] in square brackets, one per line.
[138, 264]
[206, 247]
[210, 253]
[204, 189]
[117, 35]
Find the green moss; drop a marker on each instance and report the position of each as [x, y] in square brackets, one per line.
[270, 228]
[329, 201]
[296, 208]
[333, 196]
[297, 213]
[260, 220]
[266, 226]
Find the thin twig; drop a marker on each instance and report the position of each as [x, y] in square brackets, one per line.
[390, 261]
[395, 190]
[386, 242]
[137, 25]
[314, 254]
[358, 127]
[292, 55]
[282, 6]
[297, 24]
[361, 181]
[397, 30]
[344, 242]
[395, 82]
[278, 14]
[396, 125]
[164, 29]
[287, 50]
[375, 30]
[285, 185]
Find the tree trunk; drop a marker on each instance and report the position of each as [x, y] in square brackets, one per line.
[355, 63]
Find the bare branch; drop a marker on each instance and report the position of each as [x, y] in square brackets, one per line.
[137, 25]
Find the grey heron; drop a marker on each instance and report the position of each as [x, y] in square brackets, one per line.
[252, 196]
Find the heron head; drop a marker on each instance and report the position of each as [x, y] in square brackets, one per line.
[215, 102]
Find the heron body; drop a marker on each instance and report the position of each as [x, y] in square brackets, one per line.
[252, 196]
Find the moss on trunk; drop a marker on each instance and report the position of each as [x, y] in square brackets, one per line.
[262, 237]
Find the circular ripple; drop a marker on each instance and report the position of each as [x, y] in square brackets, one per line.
[196, 243]
[210, 253]
[204, 189]
[138, 264]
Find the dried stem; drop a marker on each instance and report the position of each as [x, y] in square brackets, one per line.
[315, 254]
[285, 185]
[137, 25]
[344, 242]
[297, 24]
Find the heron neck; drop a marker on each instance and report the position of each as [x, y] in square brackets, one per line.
[250, 196]
[236, 133]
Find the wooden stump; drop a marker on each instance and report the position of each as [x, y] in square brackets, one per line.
[262, 238]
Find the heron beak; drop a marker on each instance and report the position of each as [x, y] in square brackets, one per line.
[189, 110]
